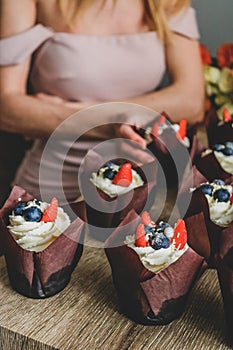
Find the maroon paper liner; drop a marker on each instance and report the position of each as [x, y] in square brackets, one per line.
[145, 297]
[203, 235]
[141, 198]
[173, 156]
[224, 264]
[43, 274]
[217, 133]
[211, 169]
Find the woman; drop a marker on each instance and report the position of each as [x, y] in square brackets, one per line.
[81, 53]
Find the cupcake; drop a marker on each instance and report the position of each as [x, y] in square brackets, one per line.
[41, 245]
[224, 262]
[217, 161]
[112, 190]
[219, 126]
[153, 268]
[172, 145]
[209, 212]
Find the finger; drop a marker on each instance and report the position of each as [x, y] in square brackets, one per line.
[135, 152]
[128, 132]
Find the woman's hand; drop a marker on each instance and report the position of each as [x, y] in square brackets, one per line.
[134, 121]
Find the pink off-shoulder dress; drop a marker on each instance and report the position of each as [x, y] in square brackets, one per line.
[85, 68]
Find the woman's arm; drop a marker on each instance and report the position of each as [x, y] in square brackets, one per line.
[184, 98]
[20, 112]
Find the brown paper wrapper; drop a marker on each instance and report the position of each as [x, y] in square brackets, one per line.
[203, 235]
[43, 274]
[217, 133]
[211, 169]
[102, 222]
[224, 263]
[172, 155]
[145, 297]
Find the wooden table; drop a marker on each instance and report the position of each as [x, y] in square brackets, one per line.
[86, 315]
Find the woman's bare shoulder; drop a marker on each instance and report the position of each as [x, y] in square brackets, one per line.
[17, 16]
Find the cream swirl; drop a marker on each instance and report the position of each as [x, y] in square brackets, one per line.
[111, 189]
[226, 162]
[221, 213]
[36, 236]
[161, 129]
[155, 260]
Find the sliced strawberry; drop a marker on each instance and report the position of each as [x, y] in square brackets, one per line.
[50, 212]
[181, 133]
[226, 115]
[155, 130]
[162, 118]
[124, 176]
[146, 219]
[140, 237]
[231, 199]
[180, 234]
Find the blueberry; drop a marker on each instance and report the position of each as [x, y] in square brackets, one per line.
[19, 208]
[37, 202]
[162, 225]
[222, 195]
[160, 241]
[219, 182]
[110, 165]
[228, 151]
[32, 214]
[217, 147]
[150, 233]
[229, 144]
[149, 230]
[207, 189]
[109, 174]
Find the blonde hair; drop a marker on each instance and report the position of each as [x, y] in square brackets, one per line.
[156, 13]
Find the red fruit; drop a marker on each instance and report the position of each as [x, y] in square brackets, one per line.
[140, 237]
[231, 199]
[181, 133]
[155, 130]
[146, 219]
[162, 118]
[226, 115]
[50, 212]
[124, 176]
[180, 234]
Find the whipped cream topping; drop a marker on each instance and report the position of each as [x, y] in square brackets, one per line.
[155, 260]
[161, 129]
[226, 162]
[221, 213]
[111, 189]
[36, 236]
